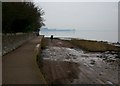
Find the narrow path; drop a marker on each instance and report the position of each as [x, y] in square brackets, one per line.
[20, 67]
[64, 63]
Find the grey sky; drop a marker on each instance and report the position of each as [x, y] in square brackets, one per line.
[81, 15]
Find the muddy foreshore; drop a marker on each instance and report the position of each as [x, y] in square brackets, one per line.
[66, 63]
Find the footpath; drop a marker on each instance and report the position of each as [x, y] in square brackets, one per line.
[20, 66]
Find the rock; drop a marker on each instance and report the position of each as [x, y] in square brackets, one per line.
[106, 68]
[107, 52]
[92, 62]
[97, 56]
[108, 82]
[74, 57]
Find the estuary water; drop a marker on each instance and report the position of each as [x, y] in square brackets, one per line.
[100, 35]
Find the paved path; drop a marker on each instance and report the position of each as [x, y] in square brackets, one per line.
[20, 67]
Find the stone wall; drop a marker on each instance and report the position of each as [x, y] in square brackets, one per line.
[11, 42]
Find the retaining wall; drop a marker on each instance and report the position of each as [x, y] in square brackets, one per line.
[11, 42]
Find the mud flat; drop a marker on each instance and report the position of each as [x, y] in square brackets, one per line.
[65, 63]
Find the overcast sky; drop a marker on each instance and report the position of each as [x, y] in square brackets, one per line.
[81, 15]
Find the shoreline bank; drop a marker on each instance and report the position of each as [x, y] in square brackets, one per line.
[92, 45]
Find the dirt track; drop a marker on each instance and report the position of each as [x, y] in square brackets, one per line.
[64, 63]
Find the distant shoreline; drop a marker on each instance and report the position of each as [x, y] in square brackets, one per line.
[71, 33]
[69, 38]
[46, 29]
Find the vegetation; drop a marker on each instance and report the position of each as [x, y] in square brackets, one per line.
[39, 57]
[21, 17]
[44, 43]
[94, 46]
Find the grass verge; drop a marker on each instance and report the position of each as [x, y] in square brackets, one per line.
[39, 57]
[94, 46]
[44, 43]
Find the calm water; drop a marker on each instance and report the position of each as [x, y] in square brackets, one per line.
[111, 36]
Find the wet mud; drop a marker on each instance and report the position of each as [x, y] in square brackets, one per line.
[64, 63]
